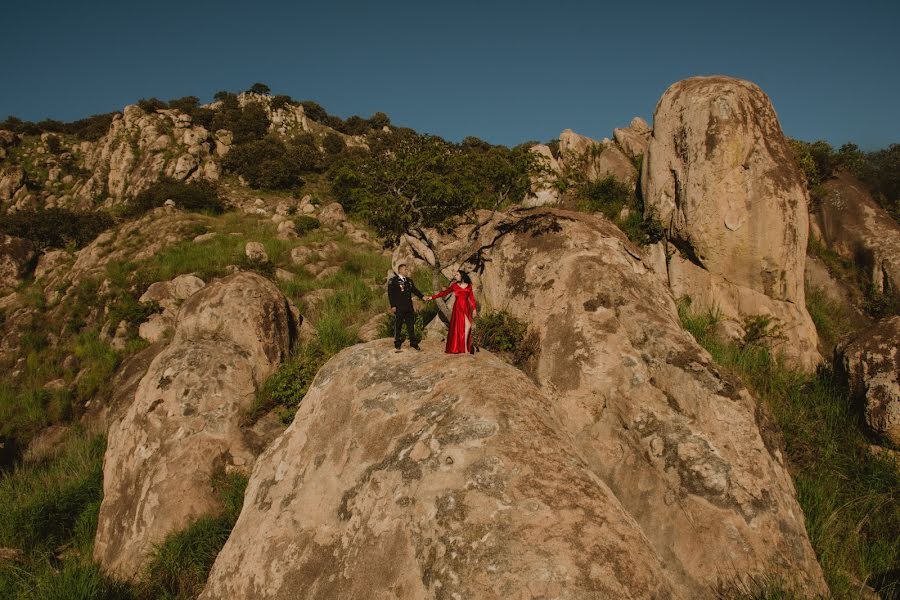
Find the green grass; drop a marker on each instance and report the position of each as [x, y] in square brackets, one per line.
[850, 497]
[50, 513]
[831, 319]
[178, 567]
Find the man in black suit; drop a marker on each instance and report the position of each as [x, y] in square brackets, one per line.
[400, 291]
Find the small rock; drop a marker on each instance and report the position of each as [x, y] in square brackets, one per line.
[154, 329]
[372, 328]
[301, 255]
[169, 203]
[256, 252]
[204, 237]
[332, 215]
[283, 275]
[327, 272]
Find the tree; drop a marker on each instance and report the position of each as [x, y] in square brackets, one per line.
[259, 88]
[418, 185]
[186, 104]
[379, 120]
[314, 111]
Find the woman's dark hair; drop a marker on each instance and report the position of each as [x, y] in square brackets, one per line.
[464, 277]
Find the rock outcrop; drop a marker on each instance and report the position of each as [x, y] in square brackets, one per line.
[140, 148]
[721, 178]
[16, 260]
[184, 421]
[414, 476]
[686, 449]
[633, 139]
[849, 222]
[871, 361]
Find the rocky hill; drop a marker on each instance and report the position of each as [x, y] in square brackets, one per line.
[687, 385]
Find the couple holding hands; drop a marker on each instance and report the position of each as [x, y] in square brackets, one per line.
[400, 292]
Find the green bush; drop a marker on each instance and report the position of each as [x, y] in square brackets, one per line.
[260, 88]
[196, 196]
[502, 332]
[54, 144]
[247, 123]
[333, 143]
[281, 101]
[303, 224]
[314, 111]
[89, 129]
[272, 164]
[284, 390]
[151, 105]
[55, 227]
[607, 196]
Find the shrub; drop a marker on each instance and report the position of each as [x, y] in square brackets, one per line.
[285, 389]
[187, 104]
[304, 224]
[314, 111]
[54, 144]
[281, 101]
[270, 163]
[333, 143]
[607, 196]
[379, 120]
[196, 196]
[247, 123]
[55, 227]
[260, 88]
[501, 332]
[151, 105]
[355, 125]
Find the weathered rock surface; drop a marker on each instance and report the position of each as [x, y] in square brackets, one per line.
[183, 422]
[397, 481]
[543, 189]
[871, 361]
[686, 449]
[633, 139]
[852, 224]
[16, 258]
[596, 159]
[721, 177]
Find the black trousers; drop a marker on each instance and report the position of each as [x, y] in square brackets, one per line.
[409, 318]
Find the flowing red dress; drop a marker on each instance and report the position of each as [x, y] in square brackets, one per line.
[463, 307]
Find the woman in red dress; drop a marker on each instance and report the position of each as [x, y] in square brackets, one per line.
[459, 339]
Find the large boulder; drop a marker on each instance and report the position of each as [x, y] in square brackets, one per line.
[184, 420]
[411, 476]
[633, 139]
[543, 189]
[849, 222]
[719, 174]
[871, 361]
[595, 160]
[16, 260]
[688, 451]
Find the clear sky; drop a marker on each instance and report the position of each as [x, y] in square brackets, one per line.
[504, 71]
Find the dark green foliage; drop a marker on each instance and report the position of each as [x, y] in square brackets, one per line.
[304, 224]
[281, 101]
[260, 88]
[284, 390]
[502, 332]
[178, 567]
[379, 120]
[271, 163]
[607, 196]
[151, 105]
[197, 196]
[409, 181]
[127, 308]
[54, 144]
[314, 111]
[90, 129]
[355, 125]
[849, 496]
[333, 143]
[247, 123]
[879, 170]
[185, 104]
[55, 227]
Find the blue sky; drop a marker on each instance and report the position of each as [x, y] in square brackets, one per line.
[504, 71]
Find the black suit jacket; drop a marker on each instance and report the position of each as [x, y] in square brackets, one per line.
[400, 293]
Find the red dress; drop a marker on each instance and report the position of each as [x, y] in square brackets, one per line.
[462, 310]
